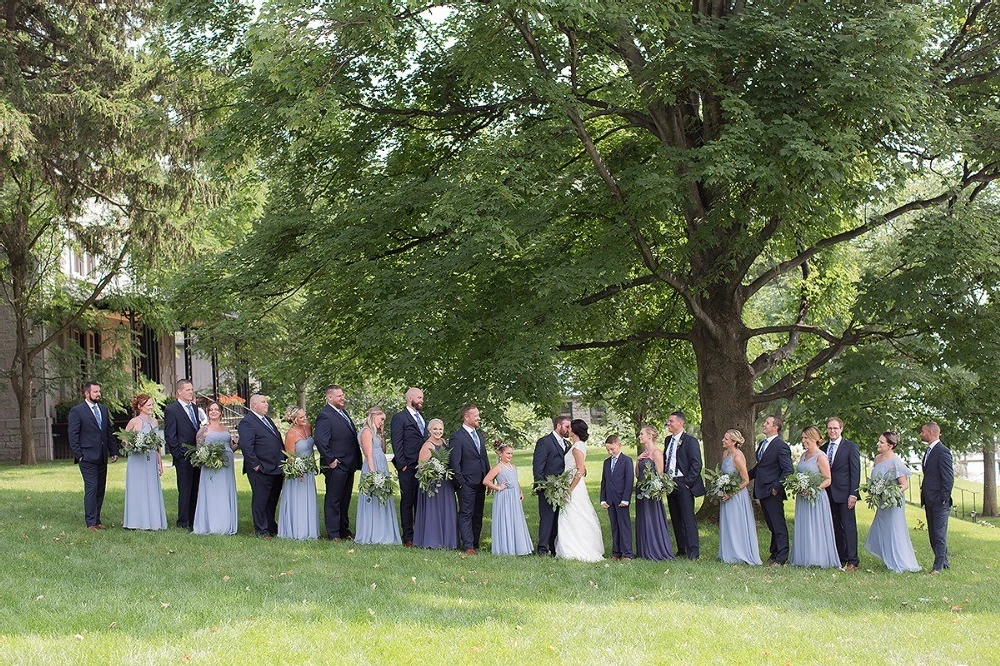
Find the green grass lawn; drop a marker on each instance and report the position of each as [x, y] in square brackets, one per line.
[70, 596]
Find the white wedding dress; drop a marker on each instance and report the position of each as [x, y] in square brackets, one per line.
[579, 535]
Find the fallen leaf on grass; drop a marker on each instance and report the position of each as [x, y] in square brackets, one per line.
[476, 649]
[164, 604]
[112, 625]
[413, 579]
[371, 612]
[214, 629]
[185, 658]
[78, 637]
[225, 579]
[373, 586]
[375, 566]
[956, 609]
[39, 597]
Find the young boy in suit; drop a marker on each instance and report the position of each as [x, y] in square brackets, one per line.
[616, 492]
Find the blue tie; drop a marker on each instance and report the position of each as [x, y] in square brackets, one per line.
[475, 440]
[420, 421]
[192, 416]
[97, 415]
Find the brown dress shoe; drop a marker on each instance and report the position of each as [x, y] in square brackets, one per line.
[92, 527]
[470, 551]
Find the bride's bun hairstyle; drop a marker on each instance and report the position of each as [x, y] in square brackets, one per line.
[579, 427]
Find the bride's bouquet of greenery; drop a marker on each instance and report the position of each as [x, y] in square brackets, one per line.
[296, 466]
[721, 484]
[555, 488]
[654, 485]
[803, 484]
[435, 471]
[211, 455]
[378, 485]
[883, 491]
[138, 442]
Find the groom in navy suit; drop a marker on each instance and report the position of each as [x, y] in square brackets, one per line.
[549, 459]
[336, 437]
[774, 463]
[93, 445]
[845, 478]
[935, 492]
[408, 430]
[682, 461]
[180, 427]
[617, 483]
[263, 453]
[469, 462]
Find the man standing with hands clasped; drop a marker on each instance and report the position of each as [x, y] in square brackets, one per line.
[470, 464]
[845, 477]
[774, 463]
[336, 438]
[682, 462]
[408, 430]
[263, 453]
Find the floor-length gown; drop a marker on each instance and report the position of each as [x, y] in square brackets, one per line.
[436, 523]
[737, 528]
[376, 522]
[144, 508]
[813, 544]
[889, 537]
[509, 528]
[652, 536]
[298, 517]
[579, 536]
[215, 512]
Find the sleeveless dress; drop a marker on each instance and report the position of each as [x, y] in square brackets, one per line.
[813, 544]
[737, 528]
[376, 522]
[298, 517]
[144, 508]
[889, 537]
[436, 523]
[509, 529]
[215, 512]
[579, 536]
[652, 537]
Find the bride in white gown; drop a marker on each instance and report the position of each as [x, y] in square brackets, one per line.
[579, 535]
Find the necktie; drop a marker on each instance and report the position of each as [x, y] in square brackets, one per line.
[671, 456]
[761, 449]
[269, 425]
[191, 415]
[475, 440]
[420, 421]
[613, 461]
[97, 415]
[923, 463]
[347, 418]
[831, 451]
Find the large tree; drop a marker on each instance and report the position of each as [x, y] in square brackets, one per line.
[94, 155]
[479, 196]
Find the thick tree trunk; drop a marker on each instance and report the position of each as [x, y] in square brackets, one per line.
[989, 476]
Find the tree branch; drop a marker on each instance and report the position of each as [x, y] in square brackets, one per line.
[621, 342]
[611, 290]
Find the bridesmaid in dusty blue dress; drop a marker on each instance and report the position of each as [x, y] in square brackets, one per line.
[144, 508]
[737, 528]
[436, 524]
[652, 536]
[298, 517]
[215, 512]
[509, 529]
[889, 537]
[376, 522]
[813, 544]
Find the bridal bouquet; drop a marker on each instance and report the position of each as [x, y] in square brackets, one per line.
[295, 466]
[721, 484]
[207, 454]
[654, 485]
[138, 442]
[432, 473]
[378, 485]
[883, 491]
[555, 488]
[804, 484]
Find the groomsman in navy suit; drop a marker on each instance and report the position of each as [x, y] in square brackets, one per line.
[549, 459]
[682, 461]
[935, 492]
[469, 462]
[263, 453]
[336, 437]
[774, 463]
[180, 427]
[617, 483]
[408, 430]
[845, 478]
[93, 445]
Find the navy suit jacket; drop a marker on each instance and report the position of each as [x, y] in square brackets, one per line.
[407, 440]
[688, 463]
[260, 445]
[617, 487]
[336, 440]
[845, 472]
[178, 428]
[90, 443]
[549, 458]
[468, 466]
[771, 470]
[939, 477]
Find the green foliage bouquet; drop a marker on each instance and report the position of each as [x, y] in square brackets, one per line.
[435, 471]
[721, 484]
[296, 466]
[804, 484]
[555, 488]
[654, 485]
[207, 454]
[883, 491]
[138, 442]
[378, 485]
